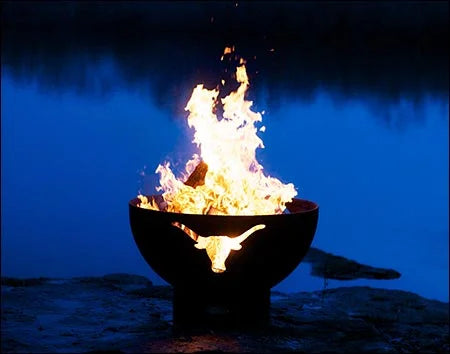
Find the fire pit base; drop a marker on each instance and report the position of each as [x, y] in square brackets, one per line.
[229, 309]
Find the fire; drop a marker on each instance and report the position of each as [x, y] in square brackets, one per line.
[225, 178]
[235, 183]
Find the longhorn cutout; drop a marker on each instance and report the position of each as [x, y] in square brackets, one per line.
[218, 247]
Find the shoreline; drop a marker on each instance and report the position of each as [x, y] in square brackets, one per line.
[127, 313]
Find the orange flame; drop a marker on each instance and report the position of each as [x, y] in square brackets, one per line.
[234, 183]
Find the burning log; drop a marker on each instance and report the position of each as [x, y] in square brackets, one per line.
[197, 177]
[212, 211]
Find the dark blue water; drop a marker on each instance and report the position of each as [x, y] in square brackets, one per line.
[79, 130]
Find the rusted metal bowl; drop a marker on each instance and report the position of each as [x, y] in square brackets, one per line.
[265, 259]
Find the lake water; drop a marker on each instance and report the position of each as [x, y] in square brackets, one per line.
[79, 128]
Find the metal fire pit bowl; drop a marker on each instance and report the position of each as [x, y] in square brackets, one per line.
[241, 294]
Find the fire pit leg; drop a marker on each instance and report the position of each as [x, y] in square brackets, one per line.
[225, 309]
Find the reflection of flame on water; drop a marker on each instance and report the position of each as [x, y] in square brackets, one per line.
[232, 180]
[218, 247]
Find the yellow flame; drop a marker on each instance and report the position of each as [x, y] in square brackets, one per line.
[146, 204]
[234, 183]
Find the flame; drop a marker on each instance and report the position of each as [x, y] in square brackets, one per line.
[146, 204]
[234, 183]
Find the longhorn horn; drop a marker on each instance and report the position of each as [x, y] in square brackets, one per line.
[247, 233]
[192, 234]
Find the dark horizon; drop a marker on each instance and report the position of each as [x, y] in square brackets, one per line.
[398, 50]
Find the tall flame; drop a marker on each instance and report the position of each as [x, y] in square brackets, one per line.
[234, 183]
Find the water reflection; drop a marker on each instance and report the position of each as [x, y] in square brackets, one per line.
[382, 193]
[83, 112]
[339, 54]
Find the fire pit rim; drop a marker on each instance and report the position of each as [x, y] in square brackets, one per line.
[135, 201]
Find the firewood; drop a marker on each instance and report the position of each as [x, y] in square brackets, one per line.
[212, 211]
[197, 177]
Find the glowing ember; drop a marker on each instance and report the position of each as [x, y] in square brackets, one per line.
[218, 247]
[227, 50]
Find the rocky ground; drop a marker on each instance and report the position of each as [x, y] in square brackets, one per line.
[330, 266]
[126, 313]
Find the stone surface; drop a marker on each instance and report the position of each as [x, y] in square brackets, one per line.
[126, 313]
[330, 266]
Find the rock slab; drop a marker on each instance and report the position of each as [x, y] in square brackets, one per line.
[127, 313]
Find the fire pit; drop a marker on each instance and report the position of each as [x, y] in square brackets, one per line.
[224, 233]
[241, 294]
